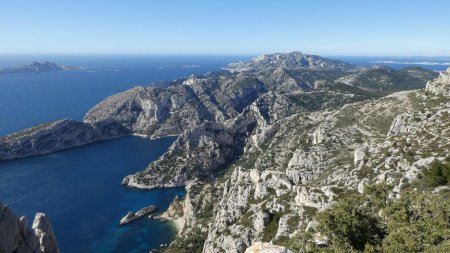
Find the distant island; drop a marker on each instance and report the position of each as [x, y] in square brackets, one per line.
[37, 67]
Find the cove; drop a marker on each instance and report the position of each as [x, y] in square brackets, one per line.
[80, 190]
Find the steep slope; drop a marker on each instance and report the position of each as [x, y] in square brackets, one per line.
[302, 164]
[46, 138]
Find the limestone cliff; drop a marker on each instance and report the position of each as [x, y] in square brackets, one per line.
[46, 138]
[302, 163]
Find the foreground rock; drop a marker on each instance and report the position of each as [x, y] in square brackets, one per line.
[139, 214]
[16, 237]
[260, 247]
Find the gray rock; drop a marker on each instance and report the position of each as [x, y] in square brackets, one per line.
[441, 85]
[16, 237]
[139, 214]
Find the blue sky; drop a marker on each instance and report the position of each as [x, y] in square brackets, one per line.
[327, 27]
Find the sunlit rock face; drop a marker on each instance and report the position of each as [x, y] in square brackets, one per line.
[16, 237]
[441, 85]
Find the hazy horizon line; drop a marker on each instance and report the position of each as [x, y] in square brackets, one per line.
[216, 54]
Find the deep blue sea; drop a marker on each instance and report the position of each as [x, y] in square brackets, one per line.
[80, 188]
[29, 99]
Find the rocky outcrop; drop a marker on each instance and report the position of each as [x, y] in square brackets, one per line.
[46, 138]
[197, 153]
[139, 214]
[16, 237]
[441, 85]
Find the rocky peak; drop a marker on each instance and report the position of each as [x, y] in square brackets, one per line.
[16, 237]
[291, 60]
[442, 84]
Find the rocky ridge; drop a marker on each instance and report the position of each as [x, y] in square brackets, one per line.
[16, 237]
[300, 165]
[297, 81]
[46, 138]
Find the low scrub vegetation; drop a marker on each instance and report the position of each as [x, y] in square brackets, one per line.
[371, 222]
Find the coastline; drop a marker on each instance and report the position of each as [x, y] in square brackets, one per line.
[176, 223]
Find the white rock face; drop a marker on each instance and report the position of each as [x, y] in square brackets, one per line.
[16, 237]
[260, 247]
[44, 233]
[360, 154]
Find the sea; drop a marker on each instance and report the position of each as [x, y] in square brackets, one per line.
[80, 189]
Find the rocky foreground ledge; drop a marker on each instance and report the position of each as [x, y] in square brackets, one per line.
[261, 247]
[16, 237]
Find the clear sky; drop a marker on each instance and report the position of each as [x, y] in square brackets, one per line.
[327, 27]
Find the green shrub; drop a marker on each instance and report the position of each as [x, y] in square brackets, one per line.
[352, 223]
[369, 222]
[438, 174]
[272, 227]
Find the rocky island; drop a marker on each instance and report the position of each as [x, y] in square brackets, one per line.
[139, 214]
[269, 151]
[37, 67]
